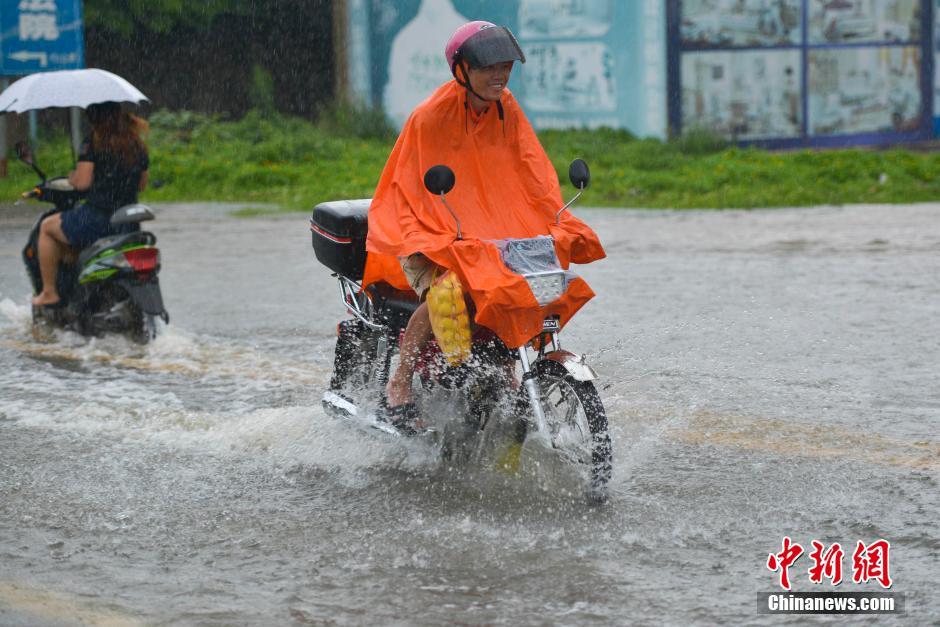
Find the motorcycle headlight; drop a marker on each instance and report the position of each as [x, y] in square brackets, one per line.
[547, 287]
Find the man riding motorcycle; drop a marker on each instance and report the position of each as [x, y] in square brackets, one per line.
[508, 188]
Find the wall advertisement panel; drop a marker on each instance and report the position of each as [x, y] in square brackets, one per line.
[936, 59]
[864, 21]
[589, 63]
[861, 90]
[730, 23]
[802, 72]
[718, 93]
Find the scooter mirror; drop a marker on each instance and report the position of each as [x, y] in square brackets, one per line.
[579, 174]
[439, 179]
[24, 152]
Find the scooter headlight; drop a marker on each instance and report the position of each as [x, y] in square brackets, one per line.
[546, 287]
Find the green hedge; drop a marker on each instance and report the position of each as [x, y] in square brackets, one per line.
[294, 164]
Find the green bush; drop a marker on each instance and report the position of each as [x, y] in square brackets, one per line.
[698, 140]
[167, 121]
[353, 119]
[261, 92]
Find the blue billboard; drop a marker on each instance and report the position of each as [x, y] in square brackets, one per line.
[40, 36]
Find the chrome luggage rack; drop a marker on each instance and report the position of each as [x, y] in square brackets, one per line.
[357, 302]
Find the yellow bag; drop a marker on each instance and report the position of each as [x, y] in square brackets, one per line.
[449, 319]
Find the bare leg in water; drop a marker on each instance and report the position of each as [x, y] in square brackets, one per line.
[52, 245]
[417, 334]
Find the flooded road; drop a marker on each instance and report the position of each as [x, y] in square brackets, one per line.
[766, 374]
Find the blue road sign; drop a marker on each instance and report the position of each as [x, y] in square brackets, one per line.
[40, 36]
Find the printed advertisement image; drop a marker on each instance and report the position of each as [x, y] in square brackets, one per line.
[863, 90]
[718, 92]
[731, 23]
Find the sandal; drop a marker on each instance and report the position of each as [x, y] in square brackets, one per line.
[50, 306]
[404, 418]
[50, 311]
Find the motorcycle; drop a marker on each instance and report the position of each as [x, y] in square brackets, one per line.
[112, 285]
[556, 404]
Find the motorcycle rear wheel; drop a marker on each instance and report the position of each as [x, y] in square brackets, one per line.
[143, 326]
[577, 424]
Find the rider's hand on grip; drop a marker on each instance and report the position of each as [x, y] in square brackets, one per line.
[449, 319]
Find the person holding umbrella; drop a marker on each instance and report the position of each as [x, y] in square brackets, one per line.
[112, 166]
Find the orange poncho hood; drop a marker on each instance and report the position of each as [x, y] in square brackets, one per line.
[506, 188]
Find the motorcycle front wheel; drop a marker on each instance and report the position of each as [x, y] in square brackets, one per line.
[577, 424]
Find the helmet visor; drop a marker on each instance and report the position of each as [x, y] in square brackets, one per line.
[490, 46]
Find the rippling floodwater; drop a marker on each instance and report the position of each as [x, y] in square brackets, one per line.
[766, 374]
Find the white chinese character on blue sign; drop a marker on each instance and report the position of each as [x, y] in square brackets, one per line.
[38, 20]
[35, 26]
[38, 5]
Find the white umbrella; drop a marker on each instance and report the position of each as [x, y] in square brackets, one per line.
[67, 88]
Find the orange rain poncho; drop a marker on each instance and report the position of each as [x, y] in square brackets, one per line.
[506, 188]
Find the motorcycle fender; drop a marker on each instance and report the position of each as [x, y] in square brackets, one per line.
[147, 296]
[574, 364]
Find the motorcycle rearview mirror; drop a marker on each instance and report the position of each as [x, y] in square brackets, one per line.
[580, 176]
[25, 154]
[439, 180]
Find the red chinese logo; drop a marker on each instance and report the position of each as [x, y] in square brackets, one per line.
[826, 564]
[783, 560]
[871, 562]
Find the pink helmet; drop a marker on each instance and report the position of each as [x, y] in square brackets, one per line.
[481, 44]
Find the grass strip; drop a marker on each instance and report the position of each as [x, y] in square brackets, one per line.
[294, 164]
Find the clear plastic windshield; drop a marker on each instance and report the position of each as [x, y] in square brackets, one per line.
[535, 259]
